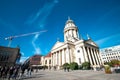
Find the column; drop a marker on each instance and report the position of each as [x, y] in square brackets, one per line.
[76, 34]
[67, 55]
[89, 56]
[99, 56]
[71, 55]
[51, 59]
[63, 57]
[59, 58]
[93, 56]
[72, 32]
[85, 54]
[56, 59]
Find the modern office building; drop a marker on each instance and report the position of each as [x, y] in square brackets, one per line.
[110, 53]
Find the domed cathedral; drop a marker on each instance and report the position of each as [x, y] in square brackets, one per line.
[70, 31]
[74, 48]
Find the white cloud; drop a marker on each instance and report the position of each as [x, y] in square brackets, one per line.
[37, 49]
[109, 39]
[41, 16]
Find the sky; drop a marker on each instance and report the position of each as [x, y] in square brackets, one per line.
[100, 19]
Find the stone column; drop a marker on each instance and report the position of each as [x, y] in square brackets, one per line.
[59, 58]
[67, 55]
[63, 57]
[99, 57]
[93, 56]
[70, 51]
[72, 33]
[56, 58]
[96, 56]
[89, 56]
[51, 59]
[85, 54]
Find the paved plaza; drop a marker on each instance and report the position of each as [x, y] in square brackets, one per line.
[73, 75]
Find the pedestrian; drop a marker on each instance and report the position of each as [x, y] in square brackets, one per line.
[15, 72]
[11, 72]
[29, 70]
[19, 73]
[2, 72]
[68, 68]
[64, 68]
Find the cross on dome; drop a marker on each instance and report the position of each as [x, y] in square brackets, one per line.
[69, 23]
[68, 17]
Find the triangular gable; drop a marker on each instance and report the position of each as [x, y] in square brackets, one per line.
[91, 42]
[57, 44]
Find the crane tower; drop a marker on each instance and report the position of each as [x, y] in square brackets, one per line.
[10, 38]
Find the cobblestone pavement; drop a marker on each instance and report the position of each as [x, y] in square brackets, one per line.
[73, 75]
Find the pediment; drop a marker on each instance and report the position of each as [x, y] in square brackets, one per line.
[57, 44]
[91, 43]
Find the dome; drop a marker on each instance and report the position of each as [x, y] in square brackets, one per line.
[69, 23]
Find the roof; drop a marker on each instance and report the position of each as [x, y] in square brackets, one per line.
[89, 41]
[57, 44]
[69, 23]
[48, 55]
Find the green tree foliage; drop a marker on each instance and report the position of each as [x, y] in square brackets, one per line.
[113, 63]
[86, 65]
[73, 66]
[65, 65]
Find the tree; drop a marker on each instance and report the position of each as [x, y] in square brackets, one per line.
[73, 66]
[86, 65]
[65, 64]
[113, 63]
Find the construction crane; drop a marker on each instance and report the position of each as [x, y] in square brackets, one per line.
[12, 37]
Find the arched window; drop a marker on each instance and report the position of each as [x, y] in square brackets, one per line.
[45, 61]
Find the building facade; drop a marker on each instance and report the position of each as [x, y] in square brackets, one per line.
[74, 48]
[110, 53]
[9, 56]
[46, 60]
[35, 60]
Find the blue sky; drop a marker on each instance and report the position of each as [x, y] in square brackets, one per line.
[98, 18]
